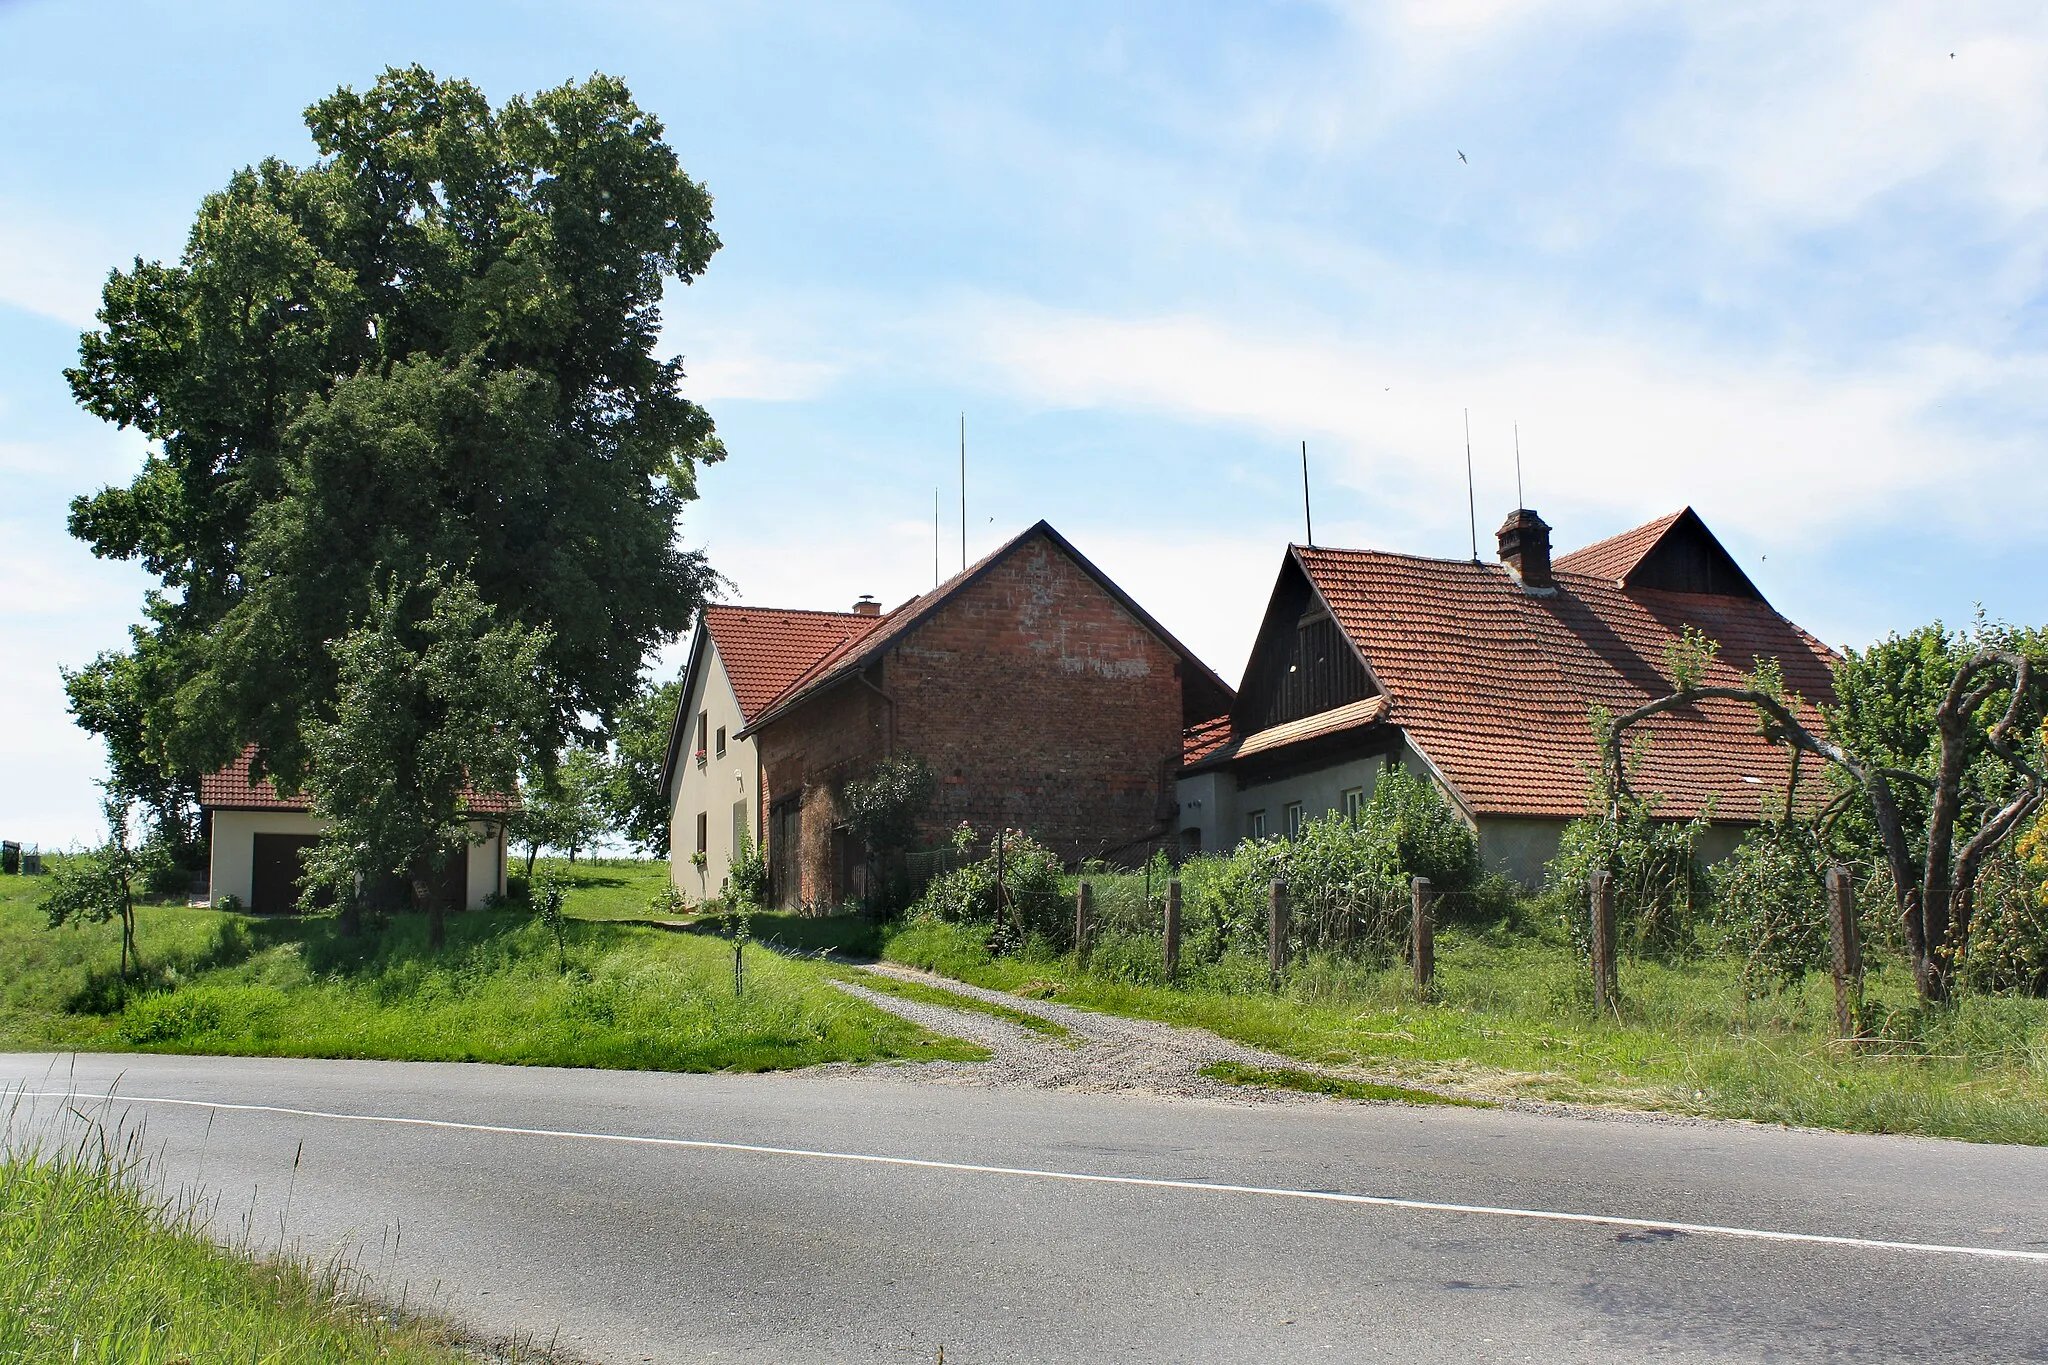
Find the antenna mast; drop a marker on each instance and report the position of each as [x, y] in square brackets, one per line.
[1471, 502]
[963, 492]
[1306, 515]
[1520, 501]
[935, 535]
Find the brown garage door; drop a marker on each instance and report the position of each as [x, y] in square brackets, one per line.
[274, 888]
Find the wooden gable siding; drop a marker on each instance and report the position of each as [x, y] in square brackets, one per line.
[1691, 559]
[1301, 664]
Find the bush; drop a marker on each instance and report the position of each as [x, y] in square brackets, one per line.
[746, 882]
[2008, 948]
[1039, 891]
[1347, 880]
[1771, 902]
[1661, 895]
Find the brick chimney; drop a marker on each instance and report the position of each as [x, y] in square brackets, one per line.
[868, 606]
[1525, 548]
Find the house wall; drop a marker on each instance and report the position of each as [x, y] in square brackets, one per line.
[231, 861]
[809, 754]
[1518, 849]
[712, 786]
[1038, 700]
[231, 852]
[1043, 705]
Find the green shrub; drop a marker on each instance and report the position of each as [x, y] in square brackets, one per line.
[1039, 891]
[1661, 894]
[2008, 948]
[746, 882]
[1771, 903]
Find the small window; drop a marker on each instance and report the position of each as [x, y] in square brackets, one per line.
[720, 750]
[1291, 812]
[703, 733]
[703, 831]
[1354, 803]
[1255, 824]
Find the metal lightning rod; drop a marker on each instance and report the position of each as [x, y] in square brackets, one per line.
[1471, 501]
[1520, 501]
[963, 492]
[1306, 515]
[935, 535]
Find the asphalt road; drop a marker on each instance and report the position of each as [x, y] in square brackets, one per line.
[659, 1250]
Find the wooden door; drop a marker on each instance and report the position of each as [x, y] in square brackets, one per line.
[785, 849]
[274, 885]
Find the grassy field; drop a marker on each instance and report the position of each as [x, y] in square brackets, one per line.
[631, 997]
[93, 1272]
[602, 888]
[1511, 1015]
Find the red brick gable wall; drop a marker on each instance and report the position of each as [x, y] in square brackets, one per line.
[1039, 701]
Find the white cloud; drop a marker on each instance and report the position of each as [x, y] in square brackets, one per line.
[1614, 427]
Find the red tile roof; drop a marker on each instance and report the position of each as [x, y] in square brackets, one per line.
[236, 788]
[1205, 739]
[765, 649]
[1614, 557]
[1493, 683]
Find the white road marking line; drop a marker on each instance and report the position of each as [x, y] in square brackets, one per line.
[1079, 1177]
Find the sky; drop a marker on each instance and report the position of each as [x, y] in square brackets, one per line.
[1783, 264]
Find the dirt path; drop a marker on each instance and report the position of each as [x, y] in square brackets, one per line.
[1102, 1052]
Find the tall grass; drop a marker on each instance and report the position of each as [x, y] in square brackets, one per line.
[632, 997]
[95, 1270]
[1511, 1014]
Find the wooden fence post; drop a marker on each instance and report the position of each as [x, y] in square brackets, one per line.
[1422, 933]
[1173, 929]
[1848, 952]
[1606, 975]
[1276, 932]
[1084, 921]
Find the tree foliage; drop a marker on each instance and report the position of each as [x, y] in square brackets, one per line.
[562, 805]
[633, 800]
[433, 346]
[884, 809]
[436, 698]
[100, 885]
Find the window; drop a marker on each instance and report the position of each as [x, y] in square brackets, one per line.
[739, 827]
[703, 733]
[721, 742]
[1291, 813]
[1255, 824]
[703, 831]
[1354, 803]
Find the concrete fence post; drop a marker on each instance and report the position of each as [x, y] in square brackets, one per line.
[1848, 952]
[1276, 932]
[1606, 975]
[1173, 930]
[1422, 932]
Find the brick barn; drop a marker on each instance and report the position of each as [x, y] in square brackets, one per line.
[1041, 695]
[1481, 676]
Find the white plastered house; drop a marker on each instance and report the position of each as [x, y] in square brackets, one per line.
[741, 659]
[255, 838]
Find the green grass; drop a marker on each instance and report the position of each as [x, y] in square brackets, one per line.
[93, 1271]
[1511, 1016]
[632, 997]
[1314, 1083]
[954, 1000]
[601, 888]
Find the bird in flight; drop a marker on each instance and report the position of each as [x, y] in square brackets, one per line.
[1461, 157]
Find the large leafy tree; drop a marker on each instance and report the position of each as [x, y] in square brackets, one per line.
[436, 698]
[632, 793]
[432, 346]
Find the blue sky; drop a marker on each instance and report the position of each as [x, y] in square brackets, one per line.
[1783, 263]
